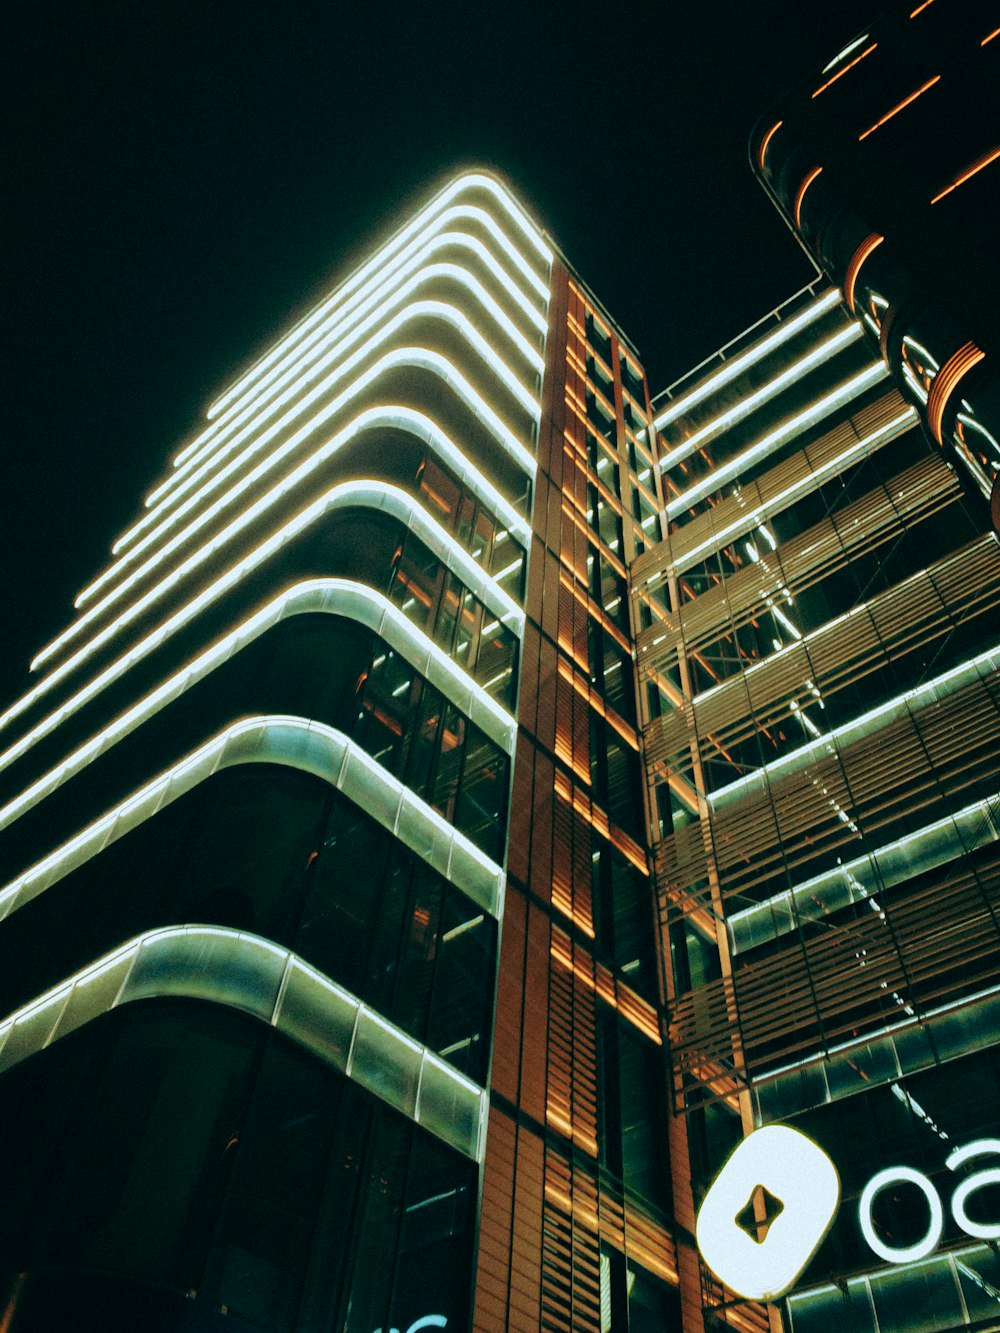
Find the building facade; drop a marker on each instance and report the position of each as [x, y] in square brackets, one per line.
[476, 796]
[821, 668]
[371, 631]
[821, 671]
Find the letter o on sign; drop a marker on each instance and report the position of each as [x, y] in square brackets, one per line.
[799, 1174]
[901, 1254]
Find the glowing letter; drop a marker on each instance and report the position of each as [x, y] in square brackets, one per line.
[901, 1254]
[981, 1230]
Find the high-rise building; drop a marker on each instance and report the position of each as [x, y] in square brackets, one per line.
[370, 631]
[886, 165]
[820, 665]
[820, 662]
[476, 797]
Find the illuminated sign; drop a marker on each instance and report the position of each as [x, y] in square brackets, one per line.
[418, 1325]
[775, 1199]
[784, 1166]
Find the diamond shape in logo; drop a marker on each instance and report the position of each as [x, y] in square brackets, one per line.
[767, 1211]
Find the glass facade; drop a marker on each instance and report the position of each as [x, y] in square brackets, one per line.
[476, 796]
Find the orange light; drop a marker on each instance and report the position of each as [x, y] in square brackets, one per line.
[593, 608]
[767, 139]
[596, 818]
[869, 244]
[582, 687]
[901, 105]
[989, 36]
[797, 206]
[599, 980]
[843, 70]
[920, 8]
[948, 377]
[978, 165]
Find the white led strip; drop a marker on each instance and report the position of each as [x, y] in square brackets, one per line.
[474, 181]
[327, 596]
[180, 482]
[406, 356]
[931, 691]
[935, 844]
[774, 439]
[739, 364]
[334, 329]
[830, 347]
[162, 521]
[751, 519]
[309, 747]
[377, 495]
[418, 310]
[277, 988]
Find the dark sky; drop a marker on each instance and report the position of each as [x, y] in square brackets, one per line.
[186, 177]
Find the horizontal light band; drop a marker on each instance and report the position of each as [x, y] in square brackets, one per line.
[929, 692]
[162, 522]
[766, 664]
[887, 1030]
[255, 976]
[740, 363]
[400, 357]
[969, 171]
[900, 106]
[852, 46]
[850, 65]
[879, 869]
[470, 182]
[810, 416]
[376, 495]
[316, 596]
[746, 522]
[292, 742]
[413, 355]
[823, 352]
[327, 356]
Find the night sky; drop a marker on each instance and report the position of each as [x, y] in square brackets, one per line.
[186, 178]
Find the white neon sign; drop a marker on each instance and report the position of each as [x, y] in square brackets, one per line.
[803, 1179]
[798, 1173]
[428, 1321]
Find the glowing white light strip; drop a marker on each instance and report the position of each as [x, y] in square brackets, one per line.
[810, 416]
[310, 747]
[268, 981]
[748, 521]
[929, 692]
[471, 182]
[378, 495]
[248, 407]
[163, 524]
[740, 363]
[226, 443]
[969, 828]
[846, 52]
[179, 481]
[401, 355]
[859, 610]
[316, 595]
[887, 1030]
[822, 353]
